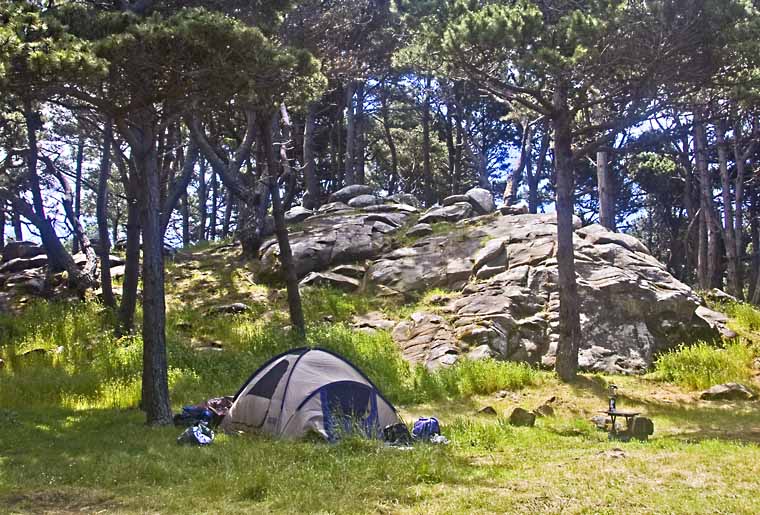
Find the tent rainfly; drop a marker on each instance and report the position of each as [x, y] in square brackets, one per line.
[310, 390]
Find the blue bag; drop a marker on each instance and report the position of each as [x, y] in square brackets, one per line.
[425, 428]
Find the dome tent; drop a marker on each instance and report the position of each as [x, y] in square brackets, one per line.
[310, 389]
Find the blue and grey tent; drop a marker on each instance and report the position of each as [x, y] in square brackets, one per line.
[310, 390]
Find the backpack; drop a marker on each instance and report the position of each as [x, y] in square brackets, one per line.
[199, 434]
[397, 434]
[425, 428]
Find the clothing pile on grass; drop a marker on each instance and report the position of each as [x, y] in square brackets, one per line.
[302, 392]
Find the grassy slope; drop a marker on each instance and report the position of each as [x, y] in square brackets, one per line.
[72, 441]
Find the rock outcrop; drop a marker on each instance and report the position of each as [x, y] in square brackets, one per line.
[505, 270]
[338, 235]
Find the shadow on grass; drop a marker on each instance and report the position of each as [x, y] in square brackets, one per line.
[693, 421]
[50, 455]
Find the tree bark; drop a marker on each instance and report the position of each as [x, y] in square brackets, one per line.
[361, 136]
[393, 180]
[18, 233]
[214, 207]
[101, 214]
[569, 317]
[128, 303]
[709, 254]
[2, 227]
[155, 382]
[535, 178]
[427, 172]
[202, 198]
[312, 197]
[728, 215]
[606, 192]
[281, 230]
[350, 163]
[229, 204]
[514, 180]
[58, 257]
[78, 188]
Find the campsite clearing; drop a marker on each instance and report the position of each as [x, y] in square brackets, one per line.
[704, 458]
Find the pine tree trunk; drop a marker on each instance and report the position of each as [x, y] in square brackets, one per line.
[155, 382]
[732, 260]
[59, 258]
[202, 197]
[312, 197]
[2, 227]
[361, 136]
[214, 207]
[534, 179]
[185, 208]
[78, 188]
[350, 162]
[427, 172]
[281, 230]
[393, 180]
[131, 269]
[606, 193]
[101, 214]
[229, 204]
[18, 233]
[569, 317]
[515, 178]
[709, 255]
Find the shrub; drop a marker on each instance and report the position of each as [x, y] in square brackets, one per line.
[702, 365]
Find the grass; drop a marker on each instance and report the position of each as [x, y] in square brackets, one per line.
[73, 441]
[702, 365]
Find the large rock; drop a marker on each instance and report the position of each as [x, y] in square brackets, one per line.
[21, 249]
[332, 279]
[297, 214]
[482, 200]
[336, 237]
[427, 339]
[504, 270]
[728, 392]
[21, 263]
[451, 213]
[364, 201]
[349, 192]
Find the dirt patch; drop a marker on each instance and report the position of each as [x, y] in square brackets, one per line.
[59, 502]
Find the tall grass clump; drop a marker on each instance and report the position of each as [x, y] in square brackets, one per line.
[744, 316]
[703, 365]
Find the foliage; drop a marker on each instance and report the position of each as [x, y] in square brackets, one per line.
[702, 365]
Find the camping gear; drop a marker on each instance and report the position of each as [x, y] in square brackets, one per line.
[212, 412]
[310, 390]
[191, 415]
[425, 428]
[613, 397]
[199, 434]
[397, 434]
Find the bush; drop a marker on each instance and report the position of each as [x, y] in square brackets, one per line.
[702, 365]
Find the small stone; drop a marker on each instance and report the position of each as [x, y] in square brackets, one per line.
[544, 411]
[728, 392]
[522, 417]
[488, 410]
[601, 422]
